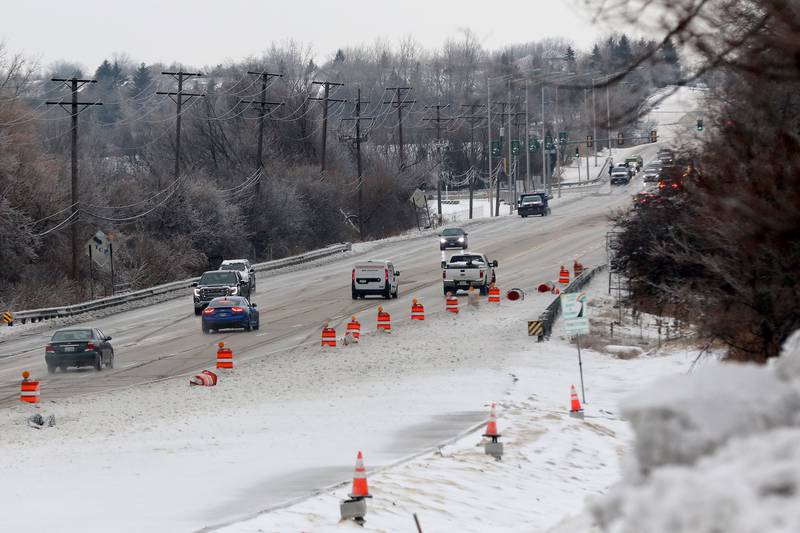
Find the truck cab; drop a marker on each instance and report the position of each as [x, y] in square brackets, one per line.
[533, 204]
[468, 270]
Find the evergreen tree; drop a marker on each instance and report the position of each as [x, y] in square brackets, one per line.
[569, 55]
[142, 79]
[622, 55]
[339, 56]
[104, 72]
[596, 60]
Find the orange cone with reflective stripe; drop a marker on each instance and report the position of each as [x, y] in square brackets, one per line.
[360, 489]
[224, 357]
[417, 310]
[451, 303]
[575, 404]
[491, 427]
[328, 336]
[28, 389]
[563, 276]
[354, 329]
[384, 321]
[494, 294]
[577, 268]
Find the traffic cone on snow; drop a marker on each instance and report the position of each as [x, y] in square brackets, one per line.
[575, 410]
[353, 333]
[495, 447]
[356, 506]
[417, 310]
[563, 276]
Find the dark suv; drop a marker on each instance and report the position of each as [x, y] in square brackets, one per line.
[216, 283]
[79, 347]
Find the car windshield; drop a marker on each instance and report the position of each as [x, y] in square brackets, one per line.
[453, 232]
[466, 259]
[228, 301]
[234, 266]
[72, 335]
[218, 278]
[529, 200]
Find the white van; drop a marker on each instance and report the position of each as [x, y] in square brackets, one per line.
[375, 277]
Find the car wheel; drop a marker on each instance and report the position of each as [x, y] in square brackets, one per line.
[354, 294]
[258, 325]
[98, 362]
[395, 293]
[484, 290]
[246, 326]
[205, 328]
[197, 311]
[446, 291]
[51, 369]
[62, 368]
[110, 363]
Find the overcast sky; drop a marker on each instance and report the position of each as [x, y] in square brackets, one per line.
[208, 32]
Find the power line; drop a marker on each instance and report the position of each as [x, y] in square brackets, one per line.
[400, 102]
[325, 100]
[357, 140]
[178, 99]
[438, 120]
[263, 103]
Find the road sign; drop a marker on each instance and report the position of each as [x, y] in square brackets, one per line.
[8, 318]
[533, 145]
[418, 198]
[497, 148]
[514, 147]
[535, 328]
[575, 310]
[620, 138]
[548, 143]
[653, 136]
[562, 138]
[100, 250]
[589, 141]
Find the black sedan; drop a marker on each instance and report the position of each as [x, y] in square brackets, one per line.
[453, 238]
[79, 347]
[230, 312]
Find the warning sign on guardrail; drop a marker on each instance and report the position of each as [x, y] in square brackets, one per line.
[8, 318]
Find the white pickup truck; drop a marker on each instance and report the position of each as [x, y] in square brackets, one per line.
[468, 270]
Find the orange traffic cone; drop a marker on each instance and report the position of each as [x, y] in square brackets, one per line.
[451, 303]
[360, 489]
[354, 329]
[577, 268]
[495, 447]
[328, 336]
[575, 410]
[384, 321]
[224, 357]
[417, 310]
[28, 389]
[494, 294]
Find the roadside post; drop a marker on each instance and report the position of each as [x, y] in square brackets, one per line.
[574, 308]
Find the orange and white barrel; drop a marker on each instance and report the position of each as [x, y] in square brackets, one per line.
[224, 357]
[328, 337]
[494, 294]
[28, 389]
[354, 329]
[384, 321]
[451, 304]
[206, 378]
[563, 276]
[417, 311]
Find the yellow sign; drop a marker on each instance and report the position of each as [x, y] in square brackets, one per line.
[535, 328]
[8, 318]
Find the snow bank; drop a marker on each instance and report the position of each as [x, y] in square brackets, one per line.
[717, 450]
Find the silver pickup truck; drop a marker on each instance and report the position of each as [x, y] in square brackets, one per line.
[468, 270]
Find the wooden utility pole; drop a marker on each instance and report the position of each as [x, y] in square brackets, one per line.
[357, 140]
[438, 120]
[473, 119]
[326, 99]
[75, 107]
[399, 101]
[178, 98]
[264, 106]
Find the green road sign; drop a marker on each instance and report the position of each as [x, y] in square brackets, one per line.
[497, 148]
[548, 143]
[514, 147]
[533, 145]
[575, 310]
[562, 138]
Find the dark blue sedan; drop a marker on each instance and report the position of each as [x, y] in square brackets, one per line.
[230, 312]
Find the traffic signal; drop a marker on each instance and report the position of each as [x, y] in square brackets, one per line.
[514, 147]
[620, 138]
[589, 141]
[562, 138]
[577, 152]
[497, 148]
[699, 124]
[653, 136]
[533, 145]
[548, 143]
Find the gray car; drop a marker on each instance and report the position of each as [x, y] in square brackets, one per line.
[453, 238]
[79, 347]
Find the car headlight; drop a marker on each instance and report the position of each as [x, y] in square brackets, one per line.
[443, 240]
[233, 290]
[461, 239]
[197, 292]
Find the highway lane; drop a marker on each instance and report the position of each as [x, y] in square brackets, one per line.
[165, 340]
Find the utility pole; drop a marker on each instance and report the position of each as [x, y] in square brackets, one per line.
[527, 139]
[400, 102]
[178, 97]
[326, 99]
[472, 118]
[608, 119]
[508, 116]
[357, 140]
[75, 107]
[594, 124]
[438, 120]
[262, 114]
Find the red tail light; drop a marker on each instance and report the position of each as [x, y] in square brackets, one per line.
[674, 185]
[49, 349]
[90, 346]
[354, 274]
[237, 309]
[481, 274]
[386, 274]
[444, 274]
[208, 310]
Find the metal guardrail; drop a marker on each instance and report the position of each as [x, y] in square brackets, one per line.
[550, 315]
[601, 177]
[35, 315]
